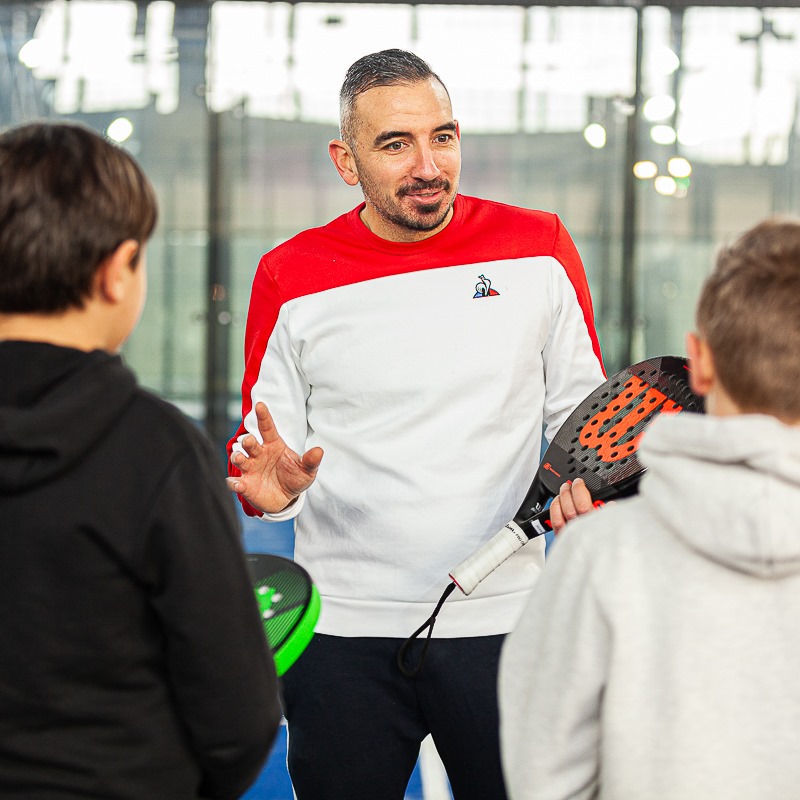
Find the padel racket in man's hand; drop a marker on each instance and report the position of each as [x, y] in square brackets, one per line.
[289, 604]
[599, 443]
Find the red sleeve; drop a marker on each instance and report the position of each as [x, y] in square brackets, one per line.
[265, 304]
[566, 253]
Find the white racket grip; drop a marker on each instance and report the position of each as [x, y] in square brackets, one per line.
[469, 573]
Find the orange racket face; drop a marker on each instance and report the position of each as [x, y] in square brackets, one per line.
[600, 439]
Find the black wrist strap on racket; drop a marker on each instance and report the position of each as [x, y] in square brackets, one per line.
[410, 672]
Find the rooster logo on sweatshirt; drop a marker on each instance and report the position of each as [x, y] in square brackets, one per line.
[483, 288]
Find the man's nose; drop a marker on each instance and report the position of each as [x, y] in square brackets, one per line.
[425, 166]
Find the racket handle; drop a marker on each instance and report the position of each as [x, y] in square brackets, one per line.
[469, 573]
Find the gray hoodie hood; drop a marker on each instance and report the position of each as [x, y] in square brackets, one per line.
[738, 480]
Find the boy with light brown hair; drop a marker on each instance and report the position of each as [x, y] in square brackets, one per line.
[658, 656]
[134, 663]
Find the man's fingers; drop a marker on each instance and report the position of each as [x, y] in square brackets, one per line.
[581, 497]
[557, 515]
[567, 503]
[574, 499]
[266, 427]
[312, 459]
[249, 443]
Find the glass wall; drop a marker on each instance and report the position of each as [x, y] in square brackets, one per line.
[655, 133]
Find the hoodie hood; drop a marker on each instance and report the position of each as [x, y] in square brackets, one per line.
[738, 482]
[56, 403]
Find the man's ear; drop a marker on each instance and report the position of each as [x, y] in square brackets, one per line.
[458, 130]
[114, 273]
[344, 161]
[702, 373]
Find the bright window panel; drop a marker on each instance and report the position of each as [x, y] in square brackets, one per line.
[477, 51]
[329, 37]
[573, 54]
[248, 59]
[739, 98]
[91, 52]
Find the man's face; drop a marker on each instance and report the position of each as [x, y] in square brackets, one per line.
[407, 156]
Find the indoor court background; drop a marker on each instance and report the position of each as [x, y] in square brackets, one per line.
[656, 130]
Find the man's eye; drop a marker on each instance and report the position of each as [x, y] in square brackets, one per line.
[443, 138]
[394, 146]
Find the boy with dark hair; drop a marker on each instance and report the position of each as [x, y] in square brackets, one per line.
[133, 662]
[659, 653]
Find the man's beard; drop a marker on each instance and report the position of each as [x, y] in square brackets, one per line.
[423, 218]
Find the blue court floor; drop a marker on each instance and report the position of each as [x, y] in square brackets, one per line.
[429, 781]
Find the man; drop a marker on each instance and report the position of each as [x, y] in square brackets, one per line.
[134, 664]
[658, 656]
[420, 341]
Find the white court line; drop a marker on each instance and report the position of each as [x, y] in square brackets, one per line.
[435, 785]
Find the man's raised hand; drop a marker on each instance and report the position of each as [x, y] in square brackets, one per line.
[272, 474]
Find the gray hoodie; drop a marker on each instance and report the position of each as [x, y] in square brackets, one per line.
[659, 655]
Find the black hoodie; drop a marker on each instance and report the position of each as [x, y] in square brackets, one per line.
[132, 659]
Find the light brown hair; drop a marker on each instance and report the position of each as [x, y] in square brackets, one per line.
[749, 314]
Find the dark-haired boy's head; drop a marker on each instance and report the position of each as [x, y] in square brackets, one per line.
[749, 315]
[68, 199]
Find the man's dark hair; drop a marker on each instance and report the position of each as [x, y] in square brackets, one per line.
[68, 199]
[385, 68]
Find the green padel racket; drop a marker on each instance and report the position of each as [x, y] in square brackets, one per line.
[289, 604]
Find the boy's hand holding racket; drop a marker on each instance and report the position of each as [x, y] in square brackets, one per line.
[272, 474]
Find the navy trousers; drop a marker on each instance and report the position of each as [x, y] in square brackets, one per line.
[356, 721]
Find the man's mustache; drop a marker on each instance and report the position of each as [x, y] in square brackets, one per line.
[422, 186]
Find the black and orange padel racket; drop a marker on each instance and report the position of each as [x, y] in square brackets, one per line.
[289, 604]
[598, 442]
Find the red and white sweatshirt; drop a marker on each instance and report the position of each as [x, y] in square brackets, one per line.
[425, 371]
